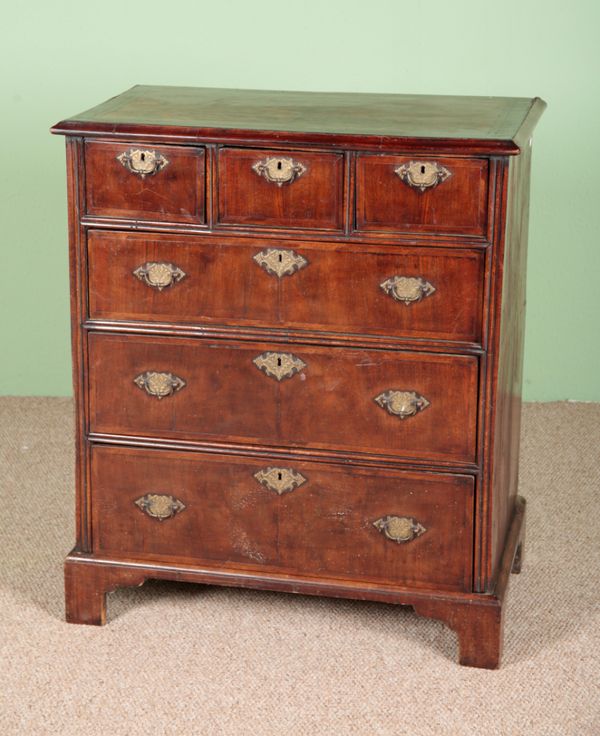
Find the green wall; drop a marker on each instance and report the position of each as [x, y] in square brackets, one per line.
[59, 58]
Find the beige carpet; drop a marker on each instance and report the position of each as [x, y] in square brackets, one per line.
[181, 659]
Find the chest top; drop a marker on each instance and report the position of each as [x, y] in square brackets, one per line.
[485, 124]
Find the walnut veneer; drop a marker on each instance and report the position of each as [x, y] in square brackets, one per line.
[297, 347]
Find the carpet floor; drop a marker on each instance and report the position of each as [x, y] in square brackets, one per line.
[187, 659]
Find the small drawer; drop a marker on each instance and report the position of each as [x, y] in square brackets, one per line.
[422, 195]
[145, 181]
[289, 189]
[293, 517]
[406, 404]
[412, 292]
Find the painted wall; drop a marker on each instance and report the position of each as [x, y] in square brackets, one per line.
[62, 57]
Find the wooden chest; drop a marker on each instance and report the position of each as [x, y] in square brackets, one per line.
[297, 344]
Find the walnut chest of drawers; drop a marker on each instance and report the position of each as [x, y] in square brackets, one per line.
[297, 341]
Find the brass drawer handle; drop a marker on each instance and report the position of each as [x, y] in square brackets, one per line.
[407, 289]
[279, 170]
[422, 175]
[160, 506]
[399, 528]
[279, 262]
[279, 365]
[280, 480]
[402, 404]
[143, 163]
[159, 384]
[159, 275]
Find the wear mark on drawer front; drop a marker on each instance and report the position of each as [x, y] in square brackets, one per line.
[244, 546]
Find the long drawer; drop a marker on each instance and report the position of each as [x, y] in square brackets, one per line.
[415, 292]
[303, 518]
[413, 405]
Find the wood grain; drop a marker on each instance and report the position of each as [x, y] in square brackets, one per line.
[315, 200]
[488, 124]
[176, 193]
[338, 290]
[330, 404]
[324, 527]
[453, 466]
[457, 205]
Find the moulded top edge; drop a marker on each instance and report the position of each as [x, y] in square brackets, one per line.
[496, 125]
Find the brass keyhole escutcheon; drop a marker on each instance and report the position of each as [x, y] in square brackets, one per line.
[279, 365]
[280, 480]
[143, 163]
[280, 262]
[279, 170]
[422, 175]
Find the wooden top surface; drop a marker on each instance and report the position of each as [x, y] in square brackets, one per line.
[499, 122]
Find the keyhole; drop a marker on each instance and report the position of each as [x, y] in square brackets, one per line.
[279, 476]
[278, 362]
[279, 165]
[143, 156]
[280, 257]
[422, 169]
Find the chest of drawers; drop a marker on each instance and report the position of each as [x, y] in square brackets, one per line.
[297, 326]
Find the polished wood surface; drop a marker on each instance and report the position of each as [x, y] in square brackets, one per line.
[457, 205]
[321, 295]
[324, 527]
[176, 193]
[352, 223]
[314, 200]
[506, 428]
[497, 124]
[227, 396]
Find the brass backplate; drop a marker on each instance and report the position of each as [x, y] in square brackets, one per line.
[158, 384]
[280, 262]
[279, 365]
[399, 528]
[159, 505]
[280, 480]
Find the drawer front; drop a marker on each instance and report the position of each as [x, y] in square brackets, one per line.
[400, 292]
[428, 195]
[302, 518]
[407, 404]
[292, 189]
[145, 181]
